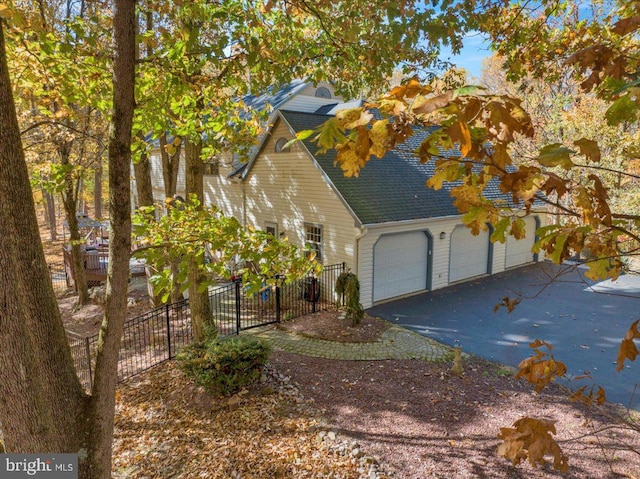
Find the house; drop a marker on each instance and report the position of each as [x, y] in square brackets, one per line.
[397, 235]
[221, 174]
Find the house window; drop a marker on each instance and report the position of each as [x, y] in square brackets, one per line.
[212, 167]
[271, 229]
[280, 145]
[323, 92]
[313, 239]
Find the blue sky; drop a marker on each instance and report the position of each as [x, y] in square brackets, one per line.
[475, 49]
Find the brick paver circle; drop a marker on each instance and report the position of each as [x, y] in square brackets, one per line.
[395, 343]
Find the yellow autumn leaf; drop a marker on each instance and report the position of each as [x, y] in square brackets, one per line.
[5, 11]
[379, 136]
[460, 135]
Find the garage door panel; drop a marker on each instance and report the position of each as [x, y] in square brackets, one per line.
[400, 264]
[469, 254]
[519, 251]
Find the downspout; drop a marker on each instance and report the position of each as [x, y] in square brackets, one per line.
[362, 234]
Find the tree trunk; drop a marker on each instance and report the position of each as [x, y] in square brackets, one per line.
[97, 189]
[102, 407]
[50, 209]
[42, 405]
[170, 166]
[70, 203]
[201, 315]
[77, 263]
[144, 188]
[142, 172]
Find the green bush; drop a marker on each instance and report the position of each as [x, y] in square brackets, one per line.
[348, 289]
[224, 365]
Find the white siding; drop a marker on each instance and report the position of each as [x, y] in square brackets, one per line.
[287, 189]
[157, 180]
[306, 101]
[224, 192]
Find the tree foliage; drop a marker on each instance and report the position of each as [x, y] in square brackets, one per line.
[223, 247]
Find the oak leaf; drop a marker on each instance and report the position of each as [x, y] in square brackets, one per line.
[409, 90]
[589, 148]
[554, 184]
[554, 155]
[507, 302]
[624, 109]
[423, 105]
[532, 438]
[350, 162]
[541, 368]
[626, 25]
[628, 349]
[379, 136]
[460, 134]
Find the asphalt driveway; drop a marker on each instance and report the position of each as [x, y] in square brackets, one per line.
[584, 321]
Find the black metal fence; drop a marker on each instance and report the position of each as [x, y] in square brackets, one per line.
[58, 277]
[157, 335]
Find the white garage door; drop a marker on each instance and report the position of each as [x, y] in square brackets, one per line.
[400, 264]
[519, 251]
[469, 254]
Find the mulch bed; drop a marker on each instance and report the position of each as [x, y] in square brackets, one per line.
[334, 326]
[423, 422]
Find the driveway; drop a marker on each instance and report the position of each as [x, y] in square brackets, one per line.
[584, 321]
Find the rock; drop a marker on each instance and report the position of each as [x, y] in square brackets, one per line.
[331, 435]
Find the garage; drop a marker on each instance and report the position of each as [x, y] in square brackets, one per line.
[400, 264]
[519, 251]
[469, 255]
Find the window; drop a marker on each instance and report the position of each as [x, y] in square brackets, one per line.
[212, 167]
[323, 92]
[280, 145]
[271, 229]
[313, 239]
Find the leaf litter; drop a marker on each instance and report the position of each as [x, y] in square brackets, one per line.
[165, 426]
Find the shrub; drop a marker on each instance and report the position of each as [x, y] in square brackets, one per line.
[348, 288]
[224, 365]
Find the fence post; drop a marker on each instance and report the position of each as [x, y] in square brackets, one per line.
[238, 282]
[166, 312]
[87, 349]
[278, 298]
[314, 292]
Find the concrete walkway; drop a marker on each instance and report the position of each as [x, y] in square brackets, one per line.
[395, 343]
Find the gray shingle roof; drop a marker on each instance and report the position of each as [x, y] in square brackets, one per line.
[275, 97]
[388, 189]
